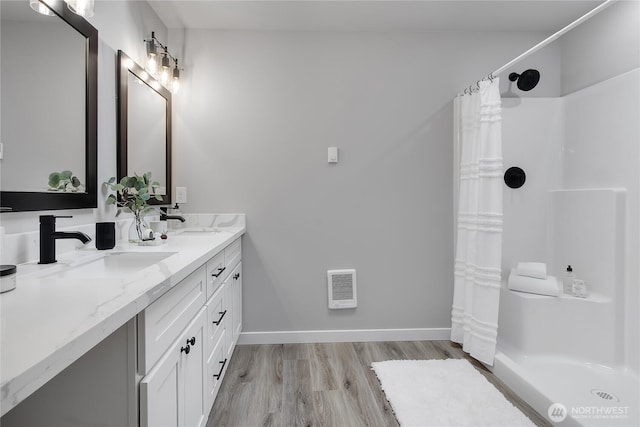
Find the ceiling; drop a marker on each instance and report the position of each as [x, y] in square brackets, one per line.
[380, 15]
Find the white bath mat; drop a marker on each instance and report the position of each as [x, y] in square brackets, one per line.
[443, 393]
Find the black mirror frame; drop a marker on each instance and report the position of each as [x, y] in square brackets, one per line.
[22, 201]
[125, 66]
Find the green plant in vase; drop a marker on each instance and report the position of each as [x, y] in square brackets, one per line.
[133, 195]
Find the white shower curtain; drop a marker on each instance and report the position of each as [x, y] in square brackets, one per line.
[474, 317]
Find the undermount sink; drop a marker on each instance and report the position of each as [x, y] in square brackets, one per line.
[108, 265]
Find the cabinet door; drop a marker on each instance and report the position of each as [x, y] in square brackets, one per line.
[237, 312]
[216, 368]
[216, 270]
[228, 321]
[160, 396]
[193, 371]
[217, 313]
[173, 393]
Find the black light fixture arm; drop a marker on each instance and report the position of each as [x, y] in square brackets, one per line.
[165, 48]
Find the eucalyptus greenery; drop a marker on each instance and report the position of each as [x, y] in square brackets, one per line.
[65, 181]
[133, 193]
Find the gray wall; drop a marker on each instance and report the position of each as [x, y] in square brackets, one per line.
[605, 46]
[254, 119]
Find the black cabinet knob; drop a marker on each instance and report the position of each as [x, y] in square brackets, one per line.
[236, 276]
[186, 349]
[191, 341]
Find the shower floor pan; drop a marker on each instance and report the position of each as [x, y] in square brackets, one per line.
[593, 395]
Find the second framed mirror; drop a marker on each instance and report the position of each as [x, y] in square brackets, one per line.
[144, 126]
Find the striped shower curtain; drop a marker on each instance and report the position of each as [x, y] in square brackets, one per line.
[476, 296]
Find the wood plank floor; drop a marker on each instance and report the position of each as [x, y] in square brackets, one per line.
[323, 384]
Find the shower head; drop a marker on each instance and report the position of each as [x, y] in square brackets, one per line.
[527, 80]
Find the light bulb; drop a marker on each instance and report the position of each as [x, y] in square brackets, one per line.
[84, 8]
[40, 7]
[164, 74]
[152, 65]
[175, 85]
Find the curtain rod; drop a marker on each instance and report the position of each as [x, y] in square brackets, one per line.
[555, 36]
[546, 41]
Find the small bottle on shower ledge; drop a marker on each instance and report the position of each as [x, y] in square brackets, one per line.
[579, 289]
[567, 281]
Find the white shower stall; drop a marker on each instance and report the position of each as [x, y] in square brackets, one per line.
[577, 138]
[578, 206]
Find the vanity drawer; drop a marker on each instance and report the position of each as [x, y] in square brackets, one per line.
[217, 272]
[217, 314]
[216, 366]
[232, 254]
[162, 322]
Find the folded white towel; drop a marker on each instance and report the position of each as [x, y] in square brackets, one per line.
[548, 286]
[532, 269]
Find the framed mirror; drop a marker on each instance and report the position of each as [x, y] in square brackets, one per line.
[49, 95]
[144, 126]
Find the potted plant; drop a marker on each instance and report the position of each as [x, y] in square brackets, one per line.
[133, 194]
[65, 181]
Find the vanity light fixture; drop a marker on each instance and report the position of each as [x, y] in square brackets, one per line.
[175, 84]
[40, 7]
[169, 78]
[166, 65]
[85, 8]
[152, 54]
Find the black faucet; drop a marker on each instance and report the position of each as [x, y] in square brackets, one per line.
[49, 235]
[164, 216]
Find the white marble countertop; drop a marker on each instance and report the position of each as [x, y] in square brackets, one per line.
[48, 322]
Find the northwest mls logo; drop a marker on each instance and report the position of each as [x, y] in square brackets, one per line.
[557, 412]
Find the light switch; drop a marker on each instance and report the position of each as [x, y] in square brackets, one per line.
[181, 194]
[332, 156]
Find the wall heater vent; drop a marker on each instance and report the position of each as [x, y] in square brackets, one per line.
[342, 288]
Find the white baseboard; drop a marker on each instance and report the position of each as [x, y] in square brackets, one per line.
[352, 335]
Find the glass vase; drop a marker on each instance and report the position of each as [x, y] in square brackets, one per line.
[138, 228]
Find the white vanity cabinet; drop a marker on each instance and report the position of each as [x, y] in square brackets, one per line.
[185, 341]
[172, 393]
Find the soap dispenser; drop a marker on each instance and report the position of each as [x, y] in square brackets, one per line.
[567, 281]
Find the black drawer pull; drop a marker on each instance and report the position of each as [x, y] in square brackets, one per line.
[191, 341]
[220, 319]
[186, 349]
[219, 374]
[220, 270]
[236, 276]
